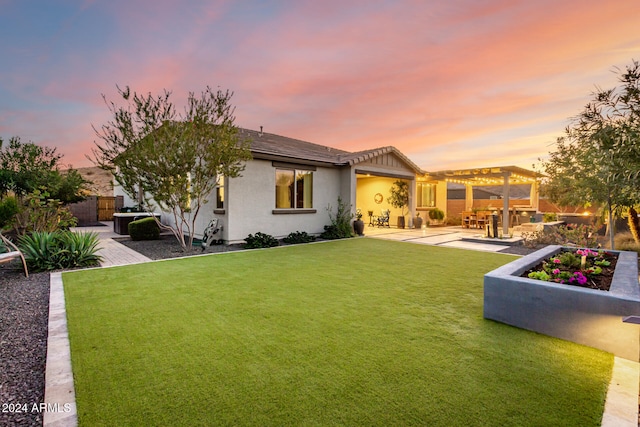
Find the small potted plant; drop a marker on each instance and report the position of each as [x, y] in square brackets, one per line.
[358, 224]
[417, 221]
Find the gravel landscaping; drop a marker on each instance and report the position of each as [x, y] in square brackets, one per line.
[168, 247]
[24, 314]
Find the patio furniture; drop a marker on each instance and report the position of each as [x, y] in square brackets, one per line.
[383, 219]
[483, 218]
[11, 255]
[469, 219]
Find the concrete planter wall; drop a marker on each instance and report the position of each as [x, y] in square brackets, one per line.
[584, 316]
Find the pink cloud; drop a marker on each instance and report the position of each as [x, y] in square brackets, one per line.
[454, 80]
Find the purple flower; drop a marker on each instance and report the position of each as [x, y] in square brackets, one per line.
[579, 277]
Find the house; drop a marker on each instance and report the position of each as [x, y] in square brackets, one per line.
[290, 184]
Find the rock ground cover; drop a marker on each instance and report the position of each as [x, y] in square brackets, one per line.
[24, 313]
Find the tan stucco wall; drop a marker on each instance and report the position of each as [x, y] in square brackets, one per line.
[367, 188]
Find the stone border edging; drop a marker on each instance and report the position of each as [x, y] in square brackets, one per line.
[59, 393]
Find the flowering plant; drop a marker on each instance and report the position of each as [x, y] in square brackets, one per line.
[580, 267]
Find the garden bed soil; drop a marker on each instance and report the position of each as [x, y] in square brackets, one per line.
[600, 282]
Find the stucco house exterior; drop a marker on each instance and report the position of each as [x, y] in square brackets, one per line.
[289, 185]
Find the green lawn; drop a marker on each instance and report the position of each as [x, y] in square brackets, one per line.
[354, 332]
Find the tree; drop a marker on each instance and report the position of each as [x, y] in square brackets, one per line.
[27, 167]
[399, 199]
[598, 159]
[169, 159]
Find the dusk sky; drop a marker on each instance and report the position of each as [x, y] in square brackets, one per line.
[461, 83]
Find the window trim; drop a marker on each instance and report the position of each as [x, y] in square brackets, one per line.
[279, 166]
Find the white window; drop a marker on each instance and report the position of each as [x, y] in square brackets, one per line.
[294, 189]
[426, 195]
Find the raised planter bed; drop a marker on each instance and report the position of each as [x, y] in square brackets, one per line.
[584, 316]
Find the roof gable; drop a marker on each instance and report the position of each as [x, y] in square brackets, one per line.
[384, 156]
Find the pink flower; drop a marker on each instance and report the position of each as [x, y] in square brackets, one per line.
[556, 261]
[556, 271]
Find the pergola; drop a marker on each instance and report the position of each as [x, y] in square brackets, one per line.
[502, 175]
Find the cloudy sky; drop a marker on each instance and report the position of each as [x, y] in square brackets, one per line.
[461, 83]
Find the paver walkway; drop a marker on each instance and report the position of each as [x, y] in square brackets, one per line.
[621, 407]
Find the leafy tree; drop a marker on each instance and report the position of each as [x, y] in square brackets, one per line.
[26, 167]
[169, 159]
[598, 159]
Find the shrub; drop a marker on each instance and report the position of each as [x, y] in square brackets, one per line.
[436, 214]
[299, 237]
[59, 250]
[8, 209]
[340, 227]
[453, 220]
[570, 235]
[144, 229]
[626, 242]
[39, 213]
[549, 217]
[260, 240]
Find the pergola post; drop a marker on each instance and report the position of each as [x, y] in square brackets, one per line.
[534, 195]
[468, 196]
[505, 204]
[412, 200]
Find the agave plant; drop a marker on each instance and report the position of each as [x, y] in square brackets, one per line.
[45, 251]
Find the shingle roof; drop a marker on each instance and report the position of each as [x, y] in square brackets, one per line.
[276, 145]
[263, 143]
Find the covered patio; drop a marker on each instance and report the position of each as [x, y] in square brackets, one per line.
[491, 176]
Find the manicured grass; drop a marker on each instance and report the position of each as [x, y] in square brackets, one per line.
[355, 332]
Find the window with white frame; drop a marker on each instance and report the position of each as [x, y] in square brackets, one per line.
[294, 189]
[425, 195]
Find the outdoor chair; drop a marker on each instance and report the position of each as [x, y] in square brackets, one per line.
[383, 219]
[10, 255]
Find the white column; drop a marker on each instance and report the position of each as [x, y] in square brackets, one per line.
[534, 195]
[468, 196]
[505, 205]
[412, 200]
